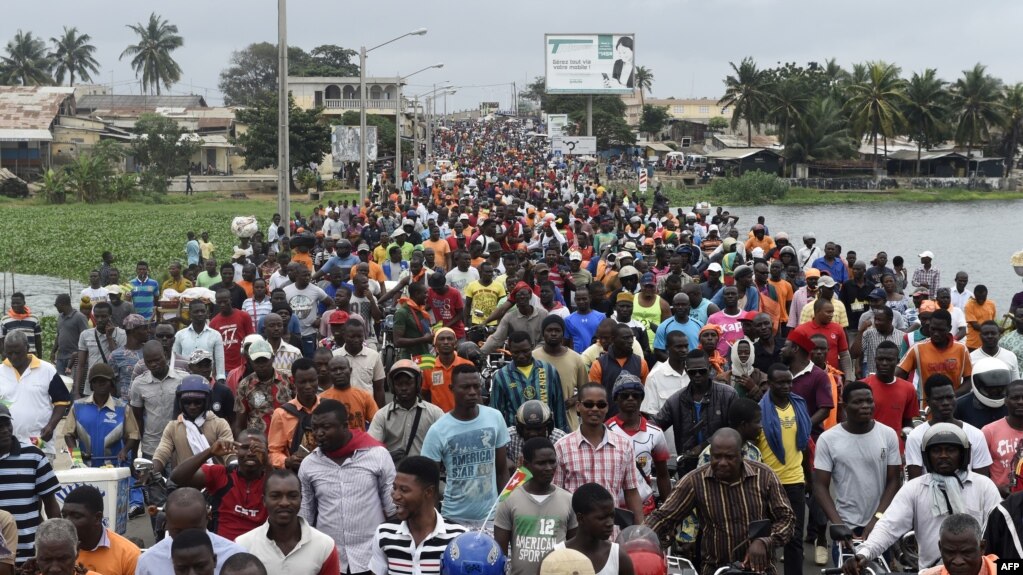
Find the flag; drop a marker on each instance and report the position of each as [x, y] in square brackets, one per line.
[520, 476]
[425, 361]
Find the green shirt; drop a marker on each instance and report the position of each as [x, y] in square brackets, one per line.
[405, 322]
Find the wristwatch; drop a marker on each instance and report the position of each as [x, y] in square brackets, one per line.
[878, 515]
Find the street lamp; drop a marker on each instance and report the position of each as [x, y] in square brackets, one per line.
[398, 121]
[430, 101]
[362, 107]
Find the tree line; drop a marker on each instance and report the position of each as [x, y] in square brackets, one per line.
[822, 111]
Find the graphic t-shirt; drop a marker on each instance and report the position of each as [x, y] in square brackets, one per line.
[240, 508]
[468, 450]
[303, 304]
[233, 328]
[790, 472]
[537, 523]
[1002, 441]
[447, 308]
[484, 299]
[731, 331]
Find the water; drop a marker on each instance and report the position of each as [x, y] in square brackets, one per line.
[40, 291]
[975, 237]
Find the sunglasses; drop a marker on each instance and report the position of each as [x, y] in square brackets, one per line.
[630, 395]
[193, 402]
[697, 371]
[594, 404]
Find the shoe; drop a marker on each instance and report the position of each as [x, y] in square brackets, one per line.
[135, 511]
[820, 555]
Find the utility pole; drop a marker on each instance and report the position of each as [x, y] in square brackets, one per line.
[362, 125]
[283, 157]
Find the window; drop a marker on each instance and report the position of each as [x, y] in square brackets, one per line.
[318, 98]
[687, 142]
[704, 109]
[333, 92]
[680, 109]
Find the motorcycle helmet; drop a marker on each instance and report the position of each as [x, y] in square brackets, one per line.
[992, 375]
[566, 562]
[641, 545]
[192, 386]
[533, 414]
[473, 553]
[946, 434]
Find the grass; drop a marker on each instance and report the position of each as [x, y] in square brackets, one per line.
[66, 240]
[803, 196]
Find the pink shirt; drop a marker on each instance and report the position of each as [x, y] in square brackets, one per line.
[731, 330]
[1002, 441]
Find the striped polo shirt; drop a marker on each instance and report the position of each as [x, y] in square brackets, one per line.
[27, 477]
[28, 324]
[143, 296]
[395, 552]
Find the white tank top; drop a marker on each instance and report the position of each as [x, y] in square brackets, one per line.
[611, 567]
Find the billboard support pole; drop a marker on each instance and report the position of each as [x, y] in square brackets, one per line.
[589, 114]
[283, 156]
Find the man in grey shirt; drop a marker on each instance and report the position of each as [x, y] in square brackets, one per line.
[96, 345]
[152, 396]
[70, 325]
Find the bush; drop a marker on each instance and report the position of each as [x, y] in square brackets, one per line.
[750, 188]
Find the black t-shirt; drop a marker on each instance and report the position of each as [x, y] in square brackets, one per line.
[222, 402]
[971, 411]
[764, 357]
[855, 299]
[238, 295]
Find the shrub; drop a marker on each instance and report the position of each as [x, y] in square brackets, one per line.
[750, 188]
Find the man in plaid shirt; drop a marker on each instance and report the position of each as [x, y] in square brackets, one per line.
[595, 454]
[927, 276]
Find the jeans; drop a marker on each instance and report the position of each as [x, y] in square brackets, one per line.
[794, 548]
[61, 365]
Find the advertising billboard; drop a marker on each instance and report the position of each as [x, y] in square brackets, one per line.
[590, 63]
[556, 124]
[344, 144]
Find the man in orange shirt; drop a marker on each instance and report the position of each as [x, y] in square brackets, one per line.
[939, 354]
[760, 239]
[100, 549]
[291, 436]
[437, 377]
[441, 248]
[358, 402]
[978, 309]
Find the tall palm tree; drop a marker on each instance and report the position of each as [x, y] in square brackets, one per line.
[748, 92]
[874, 103]
[926, 110]
[1013, 126]
[72, 54]
[26, 62]
[821, 134]
[976, 100]
[151, 57]
[644, 82]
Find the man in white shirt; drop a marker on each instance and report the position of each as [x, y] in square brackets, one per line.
[961, 295]
[990, 334]
[185, 509]
[806, 256]
[941, 399]
[923, 503]
[666, 379]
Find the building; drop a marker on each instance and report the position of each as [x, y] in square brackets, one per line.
[699, 110]
[339, 95]
[28, 116]
[737, 161]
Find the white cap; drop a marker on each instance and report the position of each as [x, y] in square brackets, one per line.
[627, 272]
[575, 256]
[927, 254]
[714, 267]
[398, 232]
[826, 281]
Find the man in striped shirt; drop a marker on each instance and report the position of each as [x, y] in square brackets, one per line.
[28, 480]
[417, 543]
[727, 496]
[144, 292]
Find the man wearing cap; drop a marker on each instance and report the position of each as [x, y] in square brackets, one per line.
[103, 428]
[29, 485]
[807, 255]
[194, 428]
[221, 397]
[262, 391]
[825, 290]
[627, 280]
[927, 276]
[119, 309]
[399, 238]
[402, 424]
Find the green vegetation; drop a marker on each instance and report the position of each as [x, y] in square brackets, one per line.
[808, 197]
[66, 240]
[251, 75]
[308, 139]
[151, 57]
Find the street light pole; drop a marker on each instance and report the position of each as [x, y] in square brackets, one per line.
[399, 123]
[283, 157]
[362, 107]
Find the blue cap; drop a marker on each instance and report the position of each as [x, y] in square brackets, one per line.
[648, 279]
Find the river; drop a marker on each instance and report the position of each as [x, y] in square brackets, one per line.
[40, 291]
[975, 237]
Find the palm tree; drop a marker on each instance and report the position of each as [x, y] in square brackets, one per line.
[748, 91]
[821, 134]
[644, 82]
[71, 55]
[874, 103]
[26, 62]
[789, 100]
[926, 110]
[152, 55]
[1013, 126]
[975, 99]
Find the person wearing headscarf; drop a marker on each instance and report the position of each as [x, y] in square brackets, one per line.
[747, 380]
[710, 334]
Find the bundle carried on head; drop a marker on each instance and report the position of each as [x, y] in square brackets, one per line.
[244, 226]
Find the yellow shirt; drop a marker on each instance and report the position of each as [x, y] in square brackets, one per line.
[790, 472]
[841, 318]
[206, 249]
[380, 254]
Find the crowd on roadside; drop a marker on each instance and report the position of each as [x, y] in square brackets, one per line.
[350, 391]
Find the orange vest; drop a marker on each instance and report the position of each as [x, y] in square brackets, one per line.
[836, 395]
[771, 308]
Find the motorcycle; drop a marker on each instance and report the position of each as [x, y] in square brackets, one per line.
[154, 490]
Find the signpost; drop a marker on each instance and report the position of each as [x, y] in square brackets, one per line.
[574, 145]
[642, 180]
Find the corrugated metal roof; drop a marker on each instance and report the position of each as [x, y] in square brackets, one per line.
[30, 107]
[657, 147]
[925, 155]
[738, 153]
[144, 102]
[25, 135]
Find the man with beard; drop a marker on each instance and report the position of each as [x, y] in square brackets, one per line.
[236, 504]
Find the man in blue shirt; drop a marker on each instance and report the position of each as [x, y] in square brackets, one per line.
[581, 326]
[144, 292]
[192, 251]
[679, 321]
[832, 264]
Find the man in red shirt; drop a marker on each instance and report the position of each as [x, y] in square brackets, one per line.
[234, 325]
[895, 398]
[447, 304]
[838, 344]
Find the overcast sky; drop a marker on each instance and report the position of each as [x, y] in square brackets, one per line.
[687, 45]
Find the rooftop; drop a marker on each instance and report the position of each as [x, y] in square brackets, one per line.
[26, 112]
[739, 153]
[139, 102]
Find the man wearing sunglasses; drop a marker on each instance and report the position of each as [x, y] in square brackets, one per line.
[595, 454]
[647, 441]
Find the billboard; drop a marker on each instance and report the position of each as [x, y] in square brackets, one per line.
[344, 144]
[590, 63]
[574, 145]
[556, 124]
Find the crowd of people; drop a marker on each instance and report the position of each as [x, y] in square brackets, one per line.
[325, 397]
